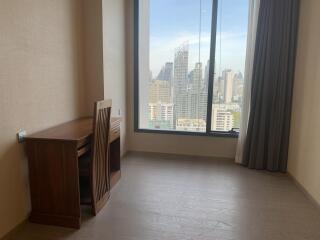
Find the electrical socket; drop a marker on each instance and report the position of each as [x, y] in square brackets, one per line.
[21, 136]
[119, 112]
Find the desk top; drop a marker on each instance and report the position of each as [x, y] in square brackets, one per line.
[75, 130]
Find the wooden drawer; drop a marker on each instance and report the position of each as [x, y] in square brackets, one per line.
[84, 149]
[84, 142]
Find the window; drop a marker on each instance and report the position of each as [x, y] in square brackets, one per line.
[189, 64]
[230, 51]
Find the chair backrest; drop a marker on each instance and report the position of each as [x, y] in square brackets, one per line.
[100, 163]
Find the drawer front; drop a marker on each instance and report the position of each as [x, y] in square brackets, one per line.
[84, 142]
[84, 149]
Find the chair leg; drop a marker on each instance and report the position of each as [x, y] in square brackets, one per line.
[96, 207]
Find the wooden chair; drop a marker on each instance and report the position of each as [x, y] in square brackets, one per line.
[96, 164]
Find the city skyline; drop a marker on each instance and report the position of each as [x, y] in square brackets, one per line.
[178, 96]
[171, 26]
[178, 60]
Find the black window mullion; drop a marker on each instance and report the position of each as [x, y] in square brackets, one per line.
[212, 64]
[136, 65]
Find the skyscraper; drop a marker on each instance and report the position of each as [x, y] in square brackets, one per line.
[180, 82]
[195, 76]
[228, 76]
[238, 87]
[181, 60]
[166, 72]
[197, 94]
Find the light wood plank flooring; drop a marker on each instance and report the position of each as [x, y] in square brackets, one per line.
[163, 197]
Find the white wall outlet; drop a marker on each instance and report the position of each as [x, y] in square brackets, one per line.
[21, 136]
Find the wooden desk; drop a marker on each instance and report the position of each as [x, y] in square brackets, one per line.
[53, 170]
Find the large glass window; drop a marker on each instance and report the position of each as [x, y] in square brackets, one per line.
[230, 52]
[177, 86]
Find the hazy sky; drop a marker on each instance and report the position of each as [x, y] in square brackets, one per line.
[174, 22]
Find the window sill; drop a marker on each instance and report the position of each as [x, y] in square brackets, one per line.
[205, 134]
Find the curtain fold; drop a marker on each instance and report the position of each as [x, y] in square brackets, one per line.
[267, 140]
[254, 6]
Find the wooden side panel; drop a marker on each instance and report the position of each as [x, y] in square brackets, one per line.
[54, 182]
[100, 163]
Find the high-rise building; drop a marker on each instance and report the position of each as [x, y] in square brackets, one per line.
[166, 73]
[222, 119]
[166, 111]
[197, 94]
[203, 103]
[181, 61]
[197, 104]
[195, 77]
[238, 87]
[218, 89]
[228, 76]
[160, 91]
[180, 82]
[161, 115]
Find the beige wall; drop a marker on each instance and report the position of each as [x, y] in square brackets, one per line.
[104, 57]
[93, 52]
[40, 85]
[114, 60]
[57, 58]
[190, 145]
[304, 151]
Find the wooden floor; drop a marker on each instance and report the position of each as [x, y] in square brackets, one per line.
[161, 197]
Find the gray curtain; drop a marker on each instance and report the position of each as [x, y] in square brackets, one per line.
[266, 145]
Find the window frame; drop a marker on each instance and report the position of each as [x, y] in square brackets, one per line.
[209, 132]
